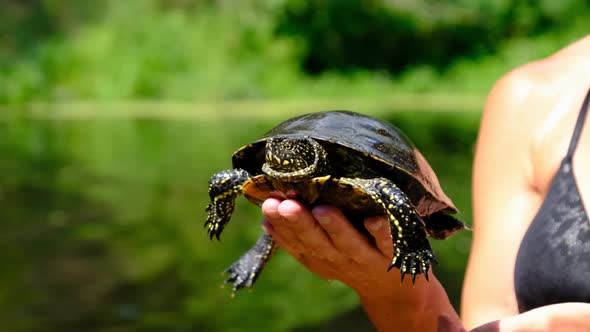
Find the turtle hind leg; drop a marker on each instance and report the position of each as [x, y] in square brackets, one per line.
[245, 271]
[224, 188]
[412, 252]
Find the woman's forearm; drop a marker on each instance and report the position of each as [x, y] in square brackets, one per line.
[563, 317]
[424, 306]
[571, 317]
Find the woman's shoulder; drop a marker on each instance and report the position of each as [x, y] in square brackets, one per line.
[536, 87]
[536, 106]
[560, 67]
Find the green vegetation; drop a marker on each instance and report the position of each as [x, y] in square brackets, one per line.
[393, 36]
[206, 50]
[113, 115]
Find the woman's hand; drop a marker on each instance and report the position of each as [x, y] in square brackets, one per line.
[328, 245]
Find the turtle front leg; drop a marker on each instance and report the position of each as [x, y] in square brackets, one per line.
[245, 271]
[224, 188]
[412, 252]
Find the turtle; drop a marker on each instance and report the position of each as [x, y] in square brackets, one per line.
[360, 164]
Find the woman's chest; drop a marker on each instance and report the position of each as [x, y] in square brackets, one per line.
[556, 143]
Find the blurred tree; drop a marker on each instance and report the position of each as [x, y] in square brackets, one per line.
[394, 35]
[25, 23]
[351, 34]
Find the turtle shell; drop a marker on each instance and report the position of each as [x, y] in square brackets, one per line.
[359, 146]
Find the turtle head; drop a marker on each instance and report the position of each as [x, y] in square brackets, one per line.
[294, 159]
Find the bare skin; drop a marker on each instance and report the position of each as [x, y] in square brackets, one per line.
[525, 131]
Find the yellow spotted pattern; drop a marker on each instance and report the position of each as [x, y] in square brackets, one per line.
[412, 252]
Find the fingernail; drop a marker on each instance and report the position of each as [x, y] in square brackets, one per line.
[320, 215]
[270, 209]
[375, 225]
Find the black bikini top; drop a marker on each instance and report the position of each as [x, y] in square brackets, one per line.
[553, 261]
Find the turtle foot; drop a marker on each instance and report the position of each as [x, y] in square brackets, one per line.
[245, 271]
[413, 262]
[217, 218]
[241, 276]
[224, 188]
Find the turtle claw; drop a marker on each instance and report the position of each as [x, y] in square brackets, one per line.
[393, 261]
[224, 188]
[413, 263]
[403, 275]
[239, 278]
[215, 222]
[245, 271]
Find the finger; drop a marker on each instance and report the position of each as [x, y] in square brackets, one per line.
[278, 238]
[377, 226]
[322, 267]
[276, 226]
[345, 237]
[270, 209]
[308, 231]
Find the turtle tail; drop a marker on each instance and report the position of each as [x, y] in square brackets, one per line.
[440, 225]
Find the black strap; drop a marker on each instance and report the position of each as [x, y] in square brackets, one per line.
[579, 125]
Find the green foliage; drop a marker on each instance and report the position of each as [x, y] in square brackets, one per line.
[141, 50]
[350, 34]
[210, 50]
[103, 226]
[24, 24]
[393, 36]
